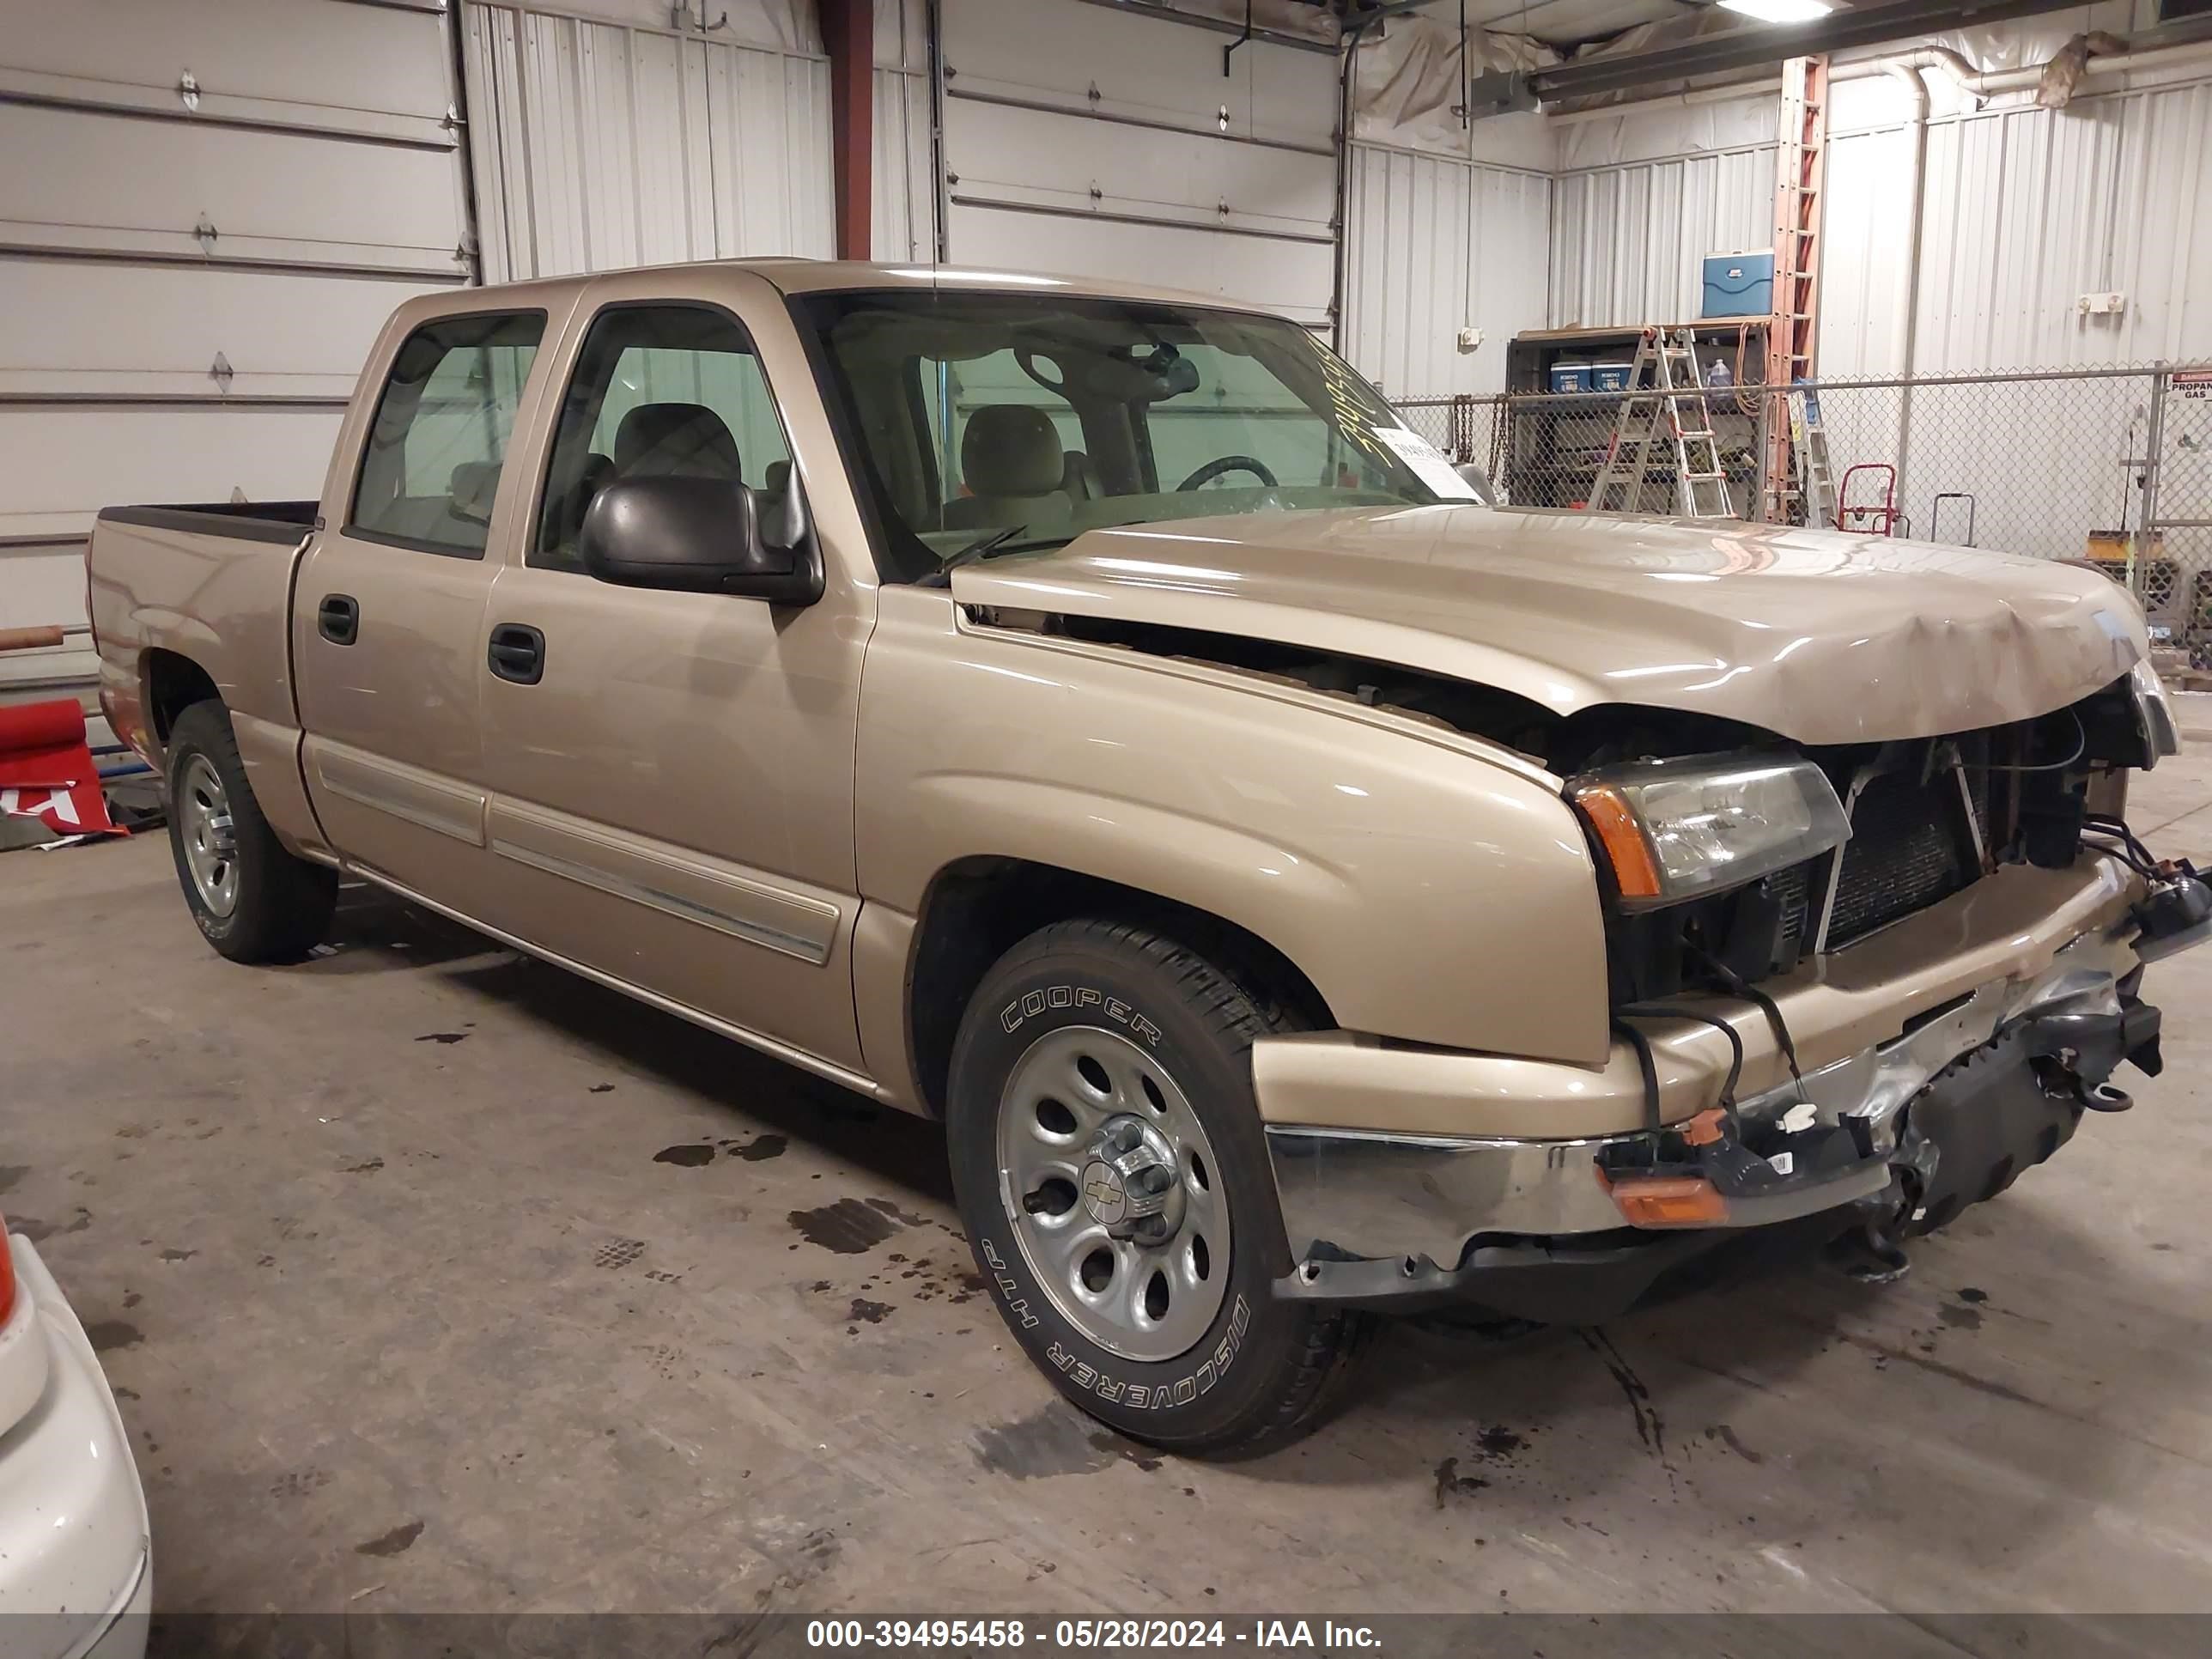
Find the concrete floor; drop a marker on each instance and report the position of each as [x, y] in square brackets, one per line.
[430, 1277]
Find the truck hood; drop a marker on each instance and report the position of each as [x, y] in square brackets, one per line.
[1821, 636]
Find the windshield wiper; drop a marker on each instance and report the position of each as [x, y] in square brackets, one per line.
[982, 545]
[1001, 541]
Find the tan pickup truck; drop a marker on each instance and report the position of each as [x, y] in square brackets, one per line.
[1089, 716]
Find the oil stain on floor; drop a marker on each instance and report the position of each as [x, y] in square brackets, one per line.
[848, 1227]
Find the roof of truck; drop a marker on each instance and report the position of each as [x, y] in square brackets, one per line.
[798, 276]
[817, 276]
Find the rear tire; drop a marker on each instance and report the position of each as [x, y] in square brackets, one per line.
[1094, 1032]
[252, 900]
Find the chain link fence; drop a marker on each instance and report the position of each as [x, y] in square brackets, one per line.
[2111, 465]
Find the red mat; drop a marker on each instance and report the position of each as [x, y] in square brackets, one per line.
[46, 772]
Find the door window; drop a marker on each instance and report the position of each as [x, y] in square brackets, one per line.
[659, 390]
[432, 463]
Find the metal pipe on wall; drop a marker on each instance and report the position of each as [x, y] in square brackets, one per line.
[941, 189]
[1980, 84]
[1341, 275]
[1908, 285]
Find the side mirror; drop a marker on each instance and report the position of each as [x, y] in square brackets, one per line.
[700, 536]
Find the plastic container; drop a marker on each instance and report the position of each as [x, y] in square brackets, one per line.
[1739, 285]
[1571, 377]
[1610, 377]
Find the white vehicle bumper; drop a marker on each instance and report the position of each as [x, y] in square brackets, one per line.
[77, 1578]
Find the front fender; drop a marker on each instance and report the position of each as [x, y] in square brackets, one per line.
[1429, 893]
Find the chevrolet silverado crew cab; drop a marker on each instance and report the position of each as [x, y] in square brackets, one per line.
[1089, 716]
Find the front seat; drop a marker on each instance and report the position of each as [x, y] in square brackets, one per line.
[675, 441]
[1013, 465]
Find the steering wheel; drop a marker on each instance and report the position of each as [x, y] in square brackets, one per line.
[1212, 469]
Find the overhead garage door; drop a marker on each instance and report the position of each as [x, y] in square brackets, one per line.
[209, 207]
[1085, 139]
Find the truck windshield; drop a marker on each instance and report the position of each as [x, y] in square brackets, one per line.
[989, 423]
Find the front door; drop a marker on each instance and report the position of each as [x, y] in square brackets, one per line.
[672, 781]
[388, 613]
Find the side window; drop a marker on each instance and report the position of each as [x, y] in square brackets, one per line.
[658, 391]
[431, 465]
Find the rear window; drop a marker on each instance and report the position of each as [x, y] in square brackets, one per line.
[438, 442]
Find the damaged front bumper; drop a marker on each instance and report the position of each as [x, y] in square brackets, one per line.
[1899, 1134]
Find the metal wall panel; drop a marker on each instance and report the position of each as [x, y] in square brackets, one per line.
[904, 225]
[602, 145]
[903, 168]
[1627, 241]
[1434, 245]
[2029, 209]
[1110, 143]
[1863, 264]
[256, 181]
[2024, 211]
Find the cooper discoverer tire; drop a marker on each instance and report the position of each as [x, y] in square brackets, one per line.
[252, 901]
[1114, 1179]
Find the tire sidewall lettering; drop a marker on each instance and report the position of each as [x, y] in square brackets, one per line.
[1157, 1396]
[1055, 998]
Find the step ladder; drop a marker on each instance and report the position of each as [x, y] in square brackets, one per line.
[1816, 475]
[1670, 409]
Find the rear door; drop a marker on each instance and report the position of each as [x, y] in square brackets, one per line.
[387, 615]
[671, 775]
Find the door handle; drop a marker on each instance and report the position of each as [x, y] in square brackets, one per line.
[338, 619]
[517, 654]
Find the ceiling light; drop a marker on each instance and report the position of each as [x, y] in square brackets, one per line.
[1780, 11]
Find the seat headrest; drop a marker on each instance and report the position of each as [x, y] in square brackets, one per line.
[689, 441]
[1010, 449]
[472, 486]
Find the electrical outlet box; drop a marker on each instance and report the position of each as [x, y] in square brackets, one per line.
[1469, 338]
[2101, 305]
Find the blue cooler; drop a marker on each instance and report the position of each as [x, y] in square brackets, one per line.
[1610, 377]
[1571, 377]
[1739, 285]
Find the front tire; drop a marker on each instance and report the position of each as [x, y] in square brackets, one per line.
[1111, 1170]
[252, 900]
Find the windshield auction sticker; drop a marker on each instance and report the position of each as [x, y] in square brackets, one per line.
[1429, 464]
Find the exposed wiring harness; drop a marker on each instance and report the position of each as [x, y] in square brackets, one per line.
[1642, 1043]
[2081, 748]
[1728, 983]
[1767, 1004]
[2115, 840]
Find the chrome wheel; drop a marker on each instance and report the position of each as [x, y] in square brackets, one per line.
[207, 834]
[1115, 1194]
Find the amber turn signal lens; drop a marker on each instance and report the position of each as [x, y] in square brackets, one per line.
[1618, 832]
[1669, 1202]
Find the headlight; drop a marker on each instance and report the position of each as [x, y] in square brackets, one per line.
[1681, 828]
[2161, 735]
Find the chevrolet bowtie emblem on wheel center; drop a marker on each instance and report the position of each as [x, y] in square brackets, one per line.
[1129, 1184]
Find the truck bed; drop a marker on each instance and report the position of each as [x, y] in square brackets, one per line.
[257, 521]
[200, 589]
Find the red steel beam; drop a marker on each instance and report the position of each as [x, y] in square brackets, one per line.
[848, 30]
